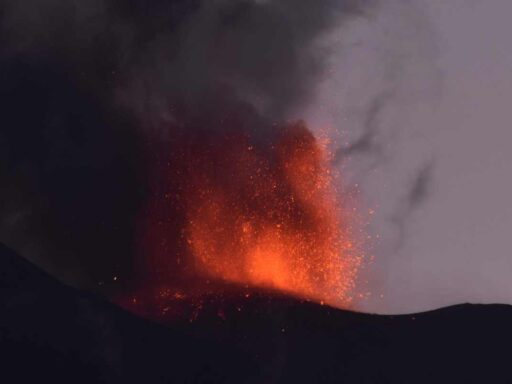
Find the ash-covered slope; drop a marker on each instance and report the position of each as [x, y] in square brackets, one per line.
[52, 333]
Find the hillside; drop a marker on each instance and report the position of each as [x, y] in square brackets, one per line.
[50, 332]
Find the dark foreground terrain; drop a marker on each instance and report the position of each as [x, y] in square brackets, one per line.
[52, 333]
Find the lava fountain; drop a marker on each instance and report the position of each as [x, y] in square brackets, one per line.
[227, 212]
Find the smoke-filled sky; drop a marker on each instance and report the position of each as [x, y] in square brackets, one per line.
[414, 95]
[421, 93]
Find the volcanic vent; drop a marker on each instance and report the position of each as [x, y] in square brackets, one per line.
[230, 214]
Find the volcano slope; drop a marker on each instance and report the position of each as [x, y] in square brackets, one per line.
[50, 332]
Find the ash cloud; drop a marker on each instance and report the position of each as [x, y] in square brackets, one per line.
[368, 142]
[417, 193]
[88, 87]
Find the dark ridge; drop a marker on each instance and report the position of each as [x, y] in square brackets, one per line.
[53, 333]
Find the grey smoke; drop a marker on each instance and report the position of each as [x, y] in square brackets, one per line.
[417, 193]
[368, 142]
[87, 87]
[419, 190]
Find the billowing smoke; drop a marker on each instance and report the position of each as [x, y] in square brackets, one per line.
[94, 94]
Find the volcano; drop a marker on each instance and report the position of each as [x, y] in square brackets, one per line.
[50, 332]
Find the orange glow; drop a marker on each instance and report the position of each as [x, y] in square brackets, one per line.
[229, 210]
[273, 221]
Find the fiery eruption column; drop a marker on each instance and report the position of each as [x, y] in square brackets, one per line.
[265, 217]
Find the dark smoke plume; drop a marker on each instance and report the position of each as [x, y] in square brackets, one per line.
[89, 89]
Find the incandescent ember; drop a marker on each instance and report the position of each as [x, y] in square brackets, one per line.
[230, 212]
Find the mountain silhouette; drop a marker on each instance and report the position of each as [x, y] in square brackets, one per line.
[50, 332]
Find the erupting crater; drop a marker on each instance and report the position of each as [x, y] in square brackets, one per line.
[229, 214]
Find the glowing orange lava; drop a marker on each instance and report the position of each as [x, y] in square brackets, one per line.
[272, 221]
[229, 210]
